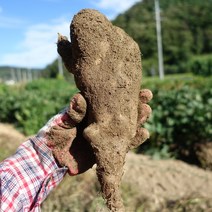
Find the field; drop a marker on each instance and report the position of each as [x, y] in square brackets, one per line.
[180, 125]
[148, 185]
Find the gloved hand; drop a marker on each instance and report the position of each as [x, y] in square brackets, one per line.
[60, 135]
[144, 112]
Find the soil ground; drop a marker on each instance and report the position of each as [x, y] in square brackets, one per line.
[10, 139]
[148, 185]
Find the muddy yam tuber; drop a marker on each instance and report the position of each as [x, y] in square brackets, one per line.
[106, 64]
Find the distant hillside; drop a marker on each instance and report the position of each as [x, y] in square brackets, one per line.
[186, 31]
[17, 73]
[4, 72]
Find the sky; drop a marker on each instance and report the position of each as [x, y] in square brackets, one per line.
[28, 28]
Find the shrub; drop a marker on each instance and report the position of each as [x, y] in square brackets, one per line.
[182, 111]
[201, 65]
[30, 106]
[182, 116]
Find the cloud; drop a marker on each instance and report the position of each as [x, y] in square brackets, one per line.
[10, 22]
[116, 6]
[39, 45]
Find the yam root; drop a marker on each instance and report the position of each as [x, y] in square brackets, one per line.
[106, 64]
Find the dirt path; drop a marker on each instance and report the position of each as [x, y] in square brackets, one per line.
[167, 181]
[147, 186]
[10, 139]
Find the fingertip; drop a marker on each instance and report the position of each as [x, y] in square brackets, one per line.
[77, 108]
[73, 167]
[78, 103]
[144, 113]
[145, 134]
[145, 95]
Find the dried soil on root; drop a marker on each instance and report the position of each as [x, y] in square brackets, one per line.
[108, 73]
[106, 64]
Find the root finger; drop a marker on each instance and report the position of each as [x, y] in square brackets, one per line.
[64, 50]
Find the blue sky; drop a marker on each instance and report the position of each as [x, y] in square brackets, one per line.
[28, 28]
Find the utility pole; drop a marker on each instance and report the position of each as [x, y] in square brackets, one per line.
[60, 65]
[159, 40]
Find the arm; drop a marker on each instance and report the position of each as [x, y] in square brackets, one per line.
[40, 163]
[28, 176]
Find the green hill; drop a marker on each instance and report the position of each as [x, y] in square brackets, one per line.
[186, 31]
[5, 72]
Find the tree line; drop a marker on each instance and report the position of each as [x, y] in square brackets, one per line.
[186, 31]
[186, 35]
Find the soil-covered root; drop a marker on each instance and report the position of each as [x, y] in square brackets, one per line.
[106, 64]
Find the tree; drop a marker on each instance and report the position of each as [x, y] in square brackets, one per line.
[186, 31]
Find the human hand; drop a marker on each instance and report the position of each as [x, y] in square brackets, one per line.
[144, 112]
[60, 136]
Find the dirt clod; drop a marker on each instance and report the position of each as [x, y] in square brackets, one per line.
[106, 64]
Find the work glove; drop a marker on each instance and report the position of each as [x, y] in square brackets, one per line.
[144, 112]
[60, 135]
